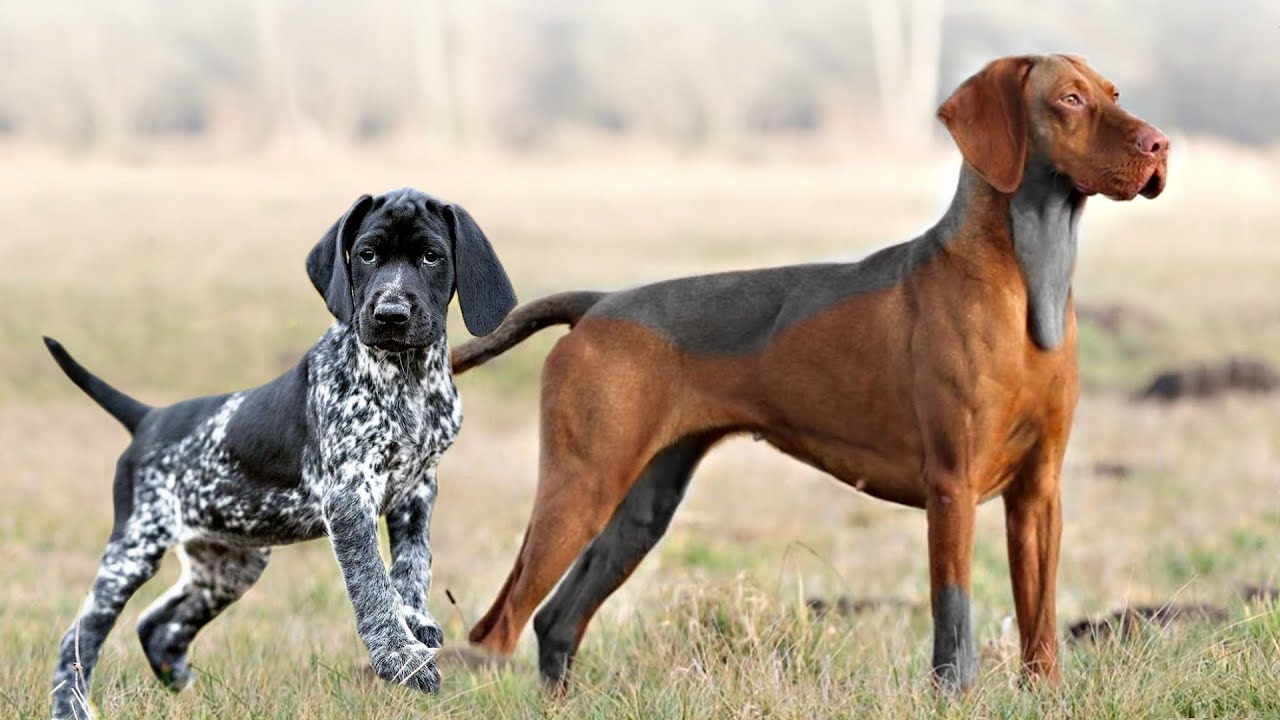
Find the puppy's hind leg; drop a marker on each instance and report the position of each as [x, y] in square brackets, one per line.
[132, 557]
[213, 577]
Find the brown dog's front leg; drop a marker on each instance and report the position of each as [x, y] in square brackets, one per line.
[951, 509]
[1033, 523]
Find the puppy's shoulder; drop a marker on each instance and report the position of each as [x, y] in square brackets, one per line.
[269, 429]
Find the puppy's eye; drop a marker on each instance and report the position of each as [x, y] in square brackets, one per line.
[367, 255]
[1072, 100]
[430, 257]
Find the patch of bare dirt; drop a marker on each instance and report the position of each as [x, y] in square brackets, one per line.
[1207, 380]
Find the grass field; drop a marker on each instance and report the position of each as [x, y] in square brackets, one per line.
[178, 279]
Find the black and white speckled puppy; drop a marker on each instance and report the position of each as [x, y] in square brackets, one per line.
[352, 432]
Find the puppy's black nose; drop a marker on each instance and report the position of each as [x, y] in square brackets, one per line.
[391, 313]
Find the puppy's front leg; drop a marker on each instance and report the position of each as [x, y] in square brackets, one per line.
[396, 655]
[409, 524]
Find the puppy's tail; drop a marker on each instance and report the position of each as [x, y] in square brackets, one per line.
[122, 407]
[560, 309]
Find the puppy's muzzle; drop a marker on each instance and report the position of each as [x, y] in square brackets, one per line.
[395, 313]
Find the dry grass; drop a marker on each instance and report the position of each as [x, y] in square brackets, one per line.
[174, 280]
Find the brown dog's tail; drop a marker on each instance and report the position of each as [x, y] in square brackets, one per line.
[560, 309]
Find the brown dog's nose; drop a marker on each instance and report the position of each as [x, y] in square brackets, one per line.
[1152, 141]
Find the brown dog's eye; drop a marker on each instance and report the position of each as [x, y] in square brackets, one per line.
[430, 257]
[367, 255]
[1072, 99]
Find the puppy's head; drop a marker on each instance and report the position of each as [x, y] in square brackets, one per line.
[389, 266]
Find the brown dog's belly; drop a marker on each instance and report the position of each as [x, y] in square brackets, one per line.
[832, 391]
[845, 402]
[854, 390]
[863, 469]
[892, 469]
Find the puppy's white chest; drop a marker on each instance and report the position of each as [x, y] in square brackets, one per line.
[414, 437]
[384, 421]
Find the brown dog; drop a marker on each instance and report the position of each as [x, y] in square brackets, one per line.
[938, 373]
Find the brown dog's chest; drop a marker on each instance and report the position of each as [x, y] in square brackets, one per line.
[965, 387]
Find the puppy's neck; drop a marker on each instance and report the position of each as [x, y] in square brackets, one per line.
[410, 367]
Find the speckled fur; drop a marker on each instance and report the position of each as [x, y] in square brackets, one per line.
[380, 422]
[353, 432]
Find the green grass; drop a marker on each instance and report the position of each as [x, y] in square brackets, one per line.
[725, 649]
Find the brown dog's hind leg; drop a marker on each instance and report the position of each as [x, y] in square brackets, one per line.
[600, 425]
[481, 633]
[635, 528]
[570, 509]
[1033, 523]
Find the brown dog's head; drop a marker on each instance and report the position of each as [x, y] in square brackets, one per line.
[1057, 109]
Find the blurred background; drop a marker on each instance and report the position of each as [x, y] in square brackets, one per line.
[723, 76]
[165, 167]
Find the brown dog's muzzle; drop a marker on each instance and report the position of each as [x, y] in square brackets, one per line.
[1131, 159]
[1155, 184]
[1152, 146]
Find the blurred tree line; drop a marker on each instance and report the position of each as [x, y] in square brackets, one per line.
[515, 74]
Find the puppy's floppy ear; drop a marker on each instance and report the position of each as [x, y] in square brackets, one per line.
[327, 263]
[987, 117]
[484, 291]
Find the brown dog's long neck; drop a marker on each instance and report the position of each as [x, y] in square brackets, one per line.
[1036, 226]
[1043, 215]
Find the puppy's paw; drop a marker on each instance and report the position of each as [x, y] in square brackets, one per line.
[411, 664]
[166, 655]
[176, 675]
[424, 627]
[76, 707]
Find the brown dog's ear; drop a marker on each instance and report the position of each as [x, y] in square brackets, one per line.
[987, 117]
